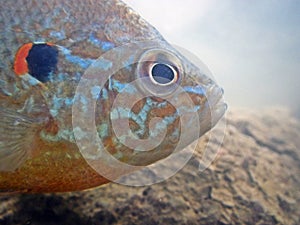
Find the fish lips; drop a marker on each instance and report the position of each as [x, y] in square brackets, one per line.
[216, 108]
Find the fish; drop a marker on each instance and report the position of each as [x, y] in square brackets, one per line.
[87, 87]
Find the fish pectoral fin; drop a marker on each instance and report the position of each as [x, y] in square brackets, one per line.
[17, 135]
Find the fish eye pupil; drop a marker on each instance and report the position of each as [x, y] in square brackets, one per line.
[162, 73]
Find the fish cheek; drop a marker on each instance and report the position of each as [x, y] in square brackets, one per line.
[140, 125]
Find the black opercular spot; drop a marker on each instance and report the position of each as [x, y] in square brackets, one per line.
[162, 73]
[42, 60]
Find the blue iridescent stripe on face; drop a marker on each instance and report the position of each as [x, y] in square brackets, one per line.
[121, 87]
[84, 63]
[194, 90]
[104, 45]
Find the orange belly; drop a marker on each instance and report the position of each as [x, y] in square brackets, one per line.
[57, 167]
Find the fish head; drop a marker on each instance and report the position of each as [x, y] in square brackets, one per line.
[144, 101]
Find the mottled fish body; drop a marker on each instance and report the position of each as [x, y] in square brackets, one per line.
[47, 49]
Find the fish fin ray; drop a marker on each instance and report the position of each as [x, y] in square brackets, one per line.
[15, 144]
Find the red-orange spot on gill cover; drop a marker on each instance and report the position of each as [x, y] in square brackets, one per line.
[20, 64]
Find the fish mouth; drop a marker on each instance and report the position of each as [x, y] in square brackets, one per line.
[215, 99]
[215, 108]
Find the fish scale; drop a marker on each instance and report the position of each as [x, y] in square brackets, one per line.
[43, 141]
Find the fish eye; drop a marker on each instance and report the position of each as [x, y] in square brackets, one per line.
[163, 74]
[161, 71]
